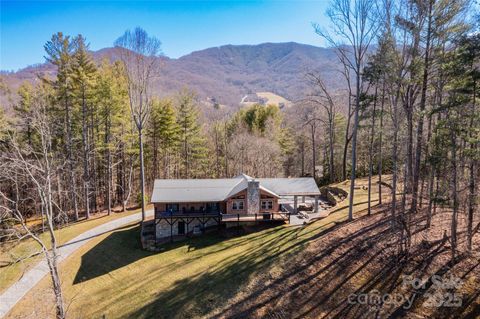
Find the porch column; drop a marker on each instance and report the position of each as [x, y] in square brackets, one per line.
[155, 222]
[155, 227]
[303, 199]
[316, 204]
[295, 204]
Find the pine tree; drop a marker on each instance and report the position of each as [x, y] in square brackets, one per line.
[112, 107]
[163, 133]
[83, 79]
[23, 110]
[193, 149]
[60, 53]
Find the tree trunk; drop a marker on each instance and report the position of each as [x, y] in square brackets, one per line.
[347, 137]
[121, 173]
[454, 194]
[109, 163]
[409, 164]
[86, 178]
[302, 158]
[225, 146]
[314, 151]
[52, 255]
[53, 268]
[370, 153]
[471, 204]
[93, 169]
[409, 105]
[56, 284]
[471, 184]
[395, 167]
[380, 141]
[331, 134]
[185, 151]
[422, 183]
[71, 170]
[354, 145]
[431, 194]
[217, 151]
[155, 152]
[142, 171]
[423, 100]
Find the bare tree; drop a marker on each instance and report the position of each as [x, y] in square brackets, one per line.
[312, 125]
[321, 96]
[139, 53]
[308, 124]
[351, 20]
[348, 135]
[37, 166]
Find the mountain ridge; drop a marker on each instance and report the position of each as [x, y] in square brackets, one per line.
[224, 74]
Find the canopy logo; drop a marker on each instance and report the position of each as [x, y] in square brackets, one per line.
[435, 291]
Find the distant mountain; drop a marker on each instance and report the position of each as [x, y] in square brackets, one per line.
[228, 73]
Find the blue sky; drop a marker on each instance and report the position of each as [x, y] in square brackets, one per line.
[182, 27]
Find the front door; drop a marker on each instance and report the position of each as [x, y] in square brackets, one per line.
[181, 228]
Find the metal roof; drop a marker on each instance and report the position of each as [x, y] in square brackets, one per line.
[217, 190]
[291, 186]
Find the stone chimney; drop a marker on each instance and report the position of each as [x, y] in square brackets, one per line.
[253, 196]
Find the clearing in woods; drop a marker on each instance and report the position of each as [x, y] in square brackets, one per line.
[281, 272]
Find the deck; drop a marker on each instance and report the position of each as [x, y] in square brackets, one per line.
[255, 217]
[186, 214]
[274, 216]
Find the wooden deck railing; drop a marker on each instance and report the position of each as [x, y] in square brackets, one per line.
[254, 217]
[224, 217]
[186, 213]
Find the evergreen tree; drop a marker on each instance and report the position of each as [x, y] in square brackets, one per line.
[112, 108]
[83, 77]
[163, 133]
[23, 111]
[193, 149]
[60, 53]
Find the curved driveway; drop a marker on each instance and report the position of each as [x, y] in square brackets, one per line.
[19, 289]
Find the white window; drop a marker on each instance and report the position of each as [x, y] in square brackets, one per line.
[267, 204]
[237, 205]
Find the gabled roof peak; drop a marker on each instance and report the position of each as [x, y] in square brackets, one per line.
[245, 177]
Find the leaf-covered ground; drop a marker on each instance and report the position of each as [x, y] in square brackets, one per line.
[278, 272]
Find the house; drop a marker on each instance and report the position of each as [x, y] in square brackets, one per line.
[193, 206]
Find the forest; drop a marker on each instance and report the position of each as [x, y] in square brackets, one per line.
[93, 139]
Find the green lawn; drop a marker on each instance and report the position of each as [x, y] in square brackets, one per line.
[112, 276]
[27, 247]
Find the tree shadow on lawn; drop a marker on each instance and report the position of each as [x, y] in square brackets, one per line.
[226, 288]
[315, 284]
[123, 247]
[111, 254]
[205, 293]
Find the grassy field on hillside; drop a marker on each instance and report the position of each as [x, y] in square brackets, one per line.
[188, 279]
[13, 251]
[273, 98]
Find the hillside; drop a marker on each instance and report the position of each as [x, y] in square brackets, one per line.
[225, 74]
[280, 272]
